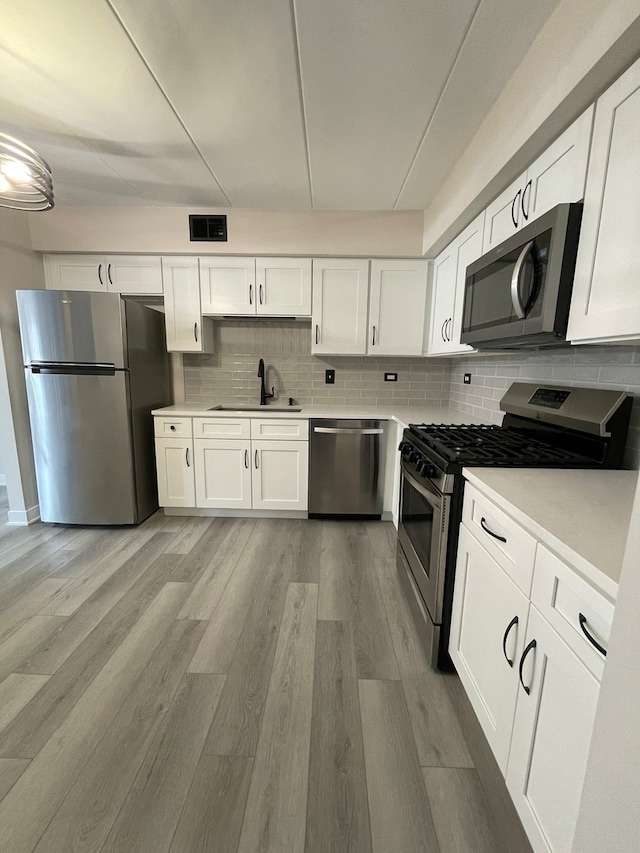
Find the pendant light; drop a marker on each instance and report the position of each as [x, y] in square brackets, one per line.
[25, 178]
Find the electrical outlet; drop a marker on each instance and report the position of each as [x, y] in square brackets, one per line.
[467, 379]
[329, 377]
[391, 377]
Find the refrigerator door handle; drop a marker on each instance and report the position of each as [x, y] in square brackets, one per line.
[72, 368]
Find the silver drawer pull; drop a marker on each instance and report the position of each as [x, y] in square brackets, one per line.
[346, 431]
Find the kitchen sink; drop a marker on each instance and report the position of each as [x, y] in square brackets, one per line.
[241, 408]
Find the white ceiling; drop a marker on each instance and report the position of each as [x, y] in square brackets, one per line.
[273, 104]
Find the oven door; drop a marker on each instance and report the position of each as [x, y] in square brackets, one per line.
[423, 534]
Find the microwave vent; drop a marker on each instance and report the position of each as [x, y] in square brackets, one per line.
[207, 229]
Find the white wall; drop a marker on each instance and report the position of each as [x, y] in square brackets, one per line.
[609, 817]
[19, 268]
[582, 48]
[163, 230]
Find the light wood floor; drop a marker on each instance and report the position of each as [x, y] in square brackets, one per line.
[223, 685]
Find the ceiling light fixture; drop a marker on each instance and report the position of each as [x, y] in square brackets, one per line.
[25, 178]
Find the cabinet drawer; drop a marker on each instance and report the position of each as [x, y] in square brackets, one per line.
[285, 428]
[172, 427]
[509, 544]
[563, 596]
[221, 428]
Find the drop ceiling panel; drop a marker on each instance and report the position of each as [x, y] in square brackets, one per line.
[229, 69]
[371, 75]
[499, 30]
[72, 64]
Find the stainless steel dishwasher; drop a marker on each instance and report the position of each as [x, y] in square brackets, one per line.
[346, 468]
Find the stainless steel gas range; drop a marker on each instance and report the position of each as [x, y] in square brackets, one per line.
[544, 427]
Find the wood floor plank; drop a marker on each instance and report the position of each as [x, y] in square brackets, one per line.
[212, 816]
[29, 732]
[459, 811]
[191, 566]
[305, 546]
[220, 641]
[338, 565]
[100, 788]
[337, 810]
[11, 769]
[188, 537]
[276, 806]
[21, 643]
[14, 585]
[375, 657]
[236, 725]
[50, 656]
[148, 819]
[207, 592]
[383, 538]
[398, 805]
[15, 692]
[29, 806]
[439, 737]
[29, 605]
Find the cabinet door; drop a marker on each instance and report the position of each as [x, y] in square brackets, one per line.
[487, 631]
[223, 473]
[559, 174]
[340, 303]
[75, 272]
[468, 250]
[280, 474]
[135, 274]
[443, 299]
[181, 284]
[504, 215]
[174, 463]
[551, 737]
[283, 286]
[605, 305]
[228, 285]
[397, 307]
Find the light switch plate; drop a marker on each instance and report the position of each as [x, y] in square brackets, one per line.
[391, 377]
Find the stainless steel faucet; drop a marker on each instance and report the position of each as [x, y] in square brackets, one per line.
[264, 396]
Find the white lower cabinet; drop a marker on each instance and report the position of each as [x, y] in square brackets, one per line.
[551, 736]
[174, 465]
[532, 679]
[229, 465]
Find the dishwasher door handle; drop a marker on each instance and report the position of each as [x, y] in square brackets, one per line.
[346, 431]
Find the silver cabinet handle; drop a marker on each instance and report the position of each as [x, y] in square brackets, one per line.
[109, 273]
[256, 459]
[260, 294]
[317, 333]
[100, 274]
[186, 456]
[373, 337]
[524, 205]
[246, 459]
[195, 331]
[250, 294]
[347, 431]
[518, 307]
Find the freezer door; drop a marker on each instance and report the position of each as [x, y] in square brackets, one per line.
[82, 446]
[71, 326]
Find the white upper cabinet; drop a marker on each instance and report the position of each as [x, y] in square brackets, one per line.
[283, 286]
[605, 305]
[249, 286]
[131, 274]
[397, 307]
[340, 304]
[557, 176]
[447, 296]
[187, 330]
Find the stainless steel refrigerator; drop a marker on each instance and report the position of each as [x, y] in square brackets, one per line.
[96, 365]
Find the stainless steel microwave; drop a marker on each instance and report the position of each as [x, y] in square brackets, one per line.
[518, 294]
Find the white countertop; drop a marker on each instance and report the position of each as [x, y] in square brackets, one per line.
[403, 415]
[583, 516]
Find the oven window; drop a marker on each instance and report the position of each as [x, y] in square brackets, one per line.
[417, 520]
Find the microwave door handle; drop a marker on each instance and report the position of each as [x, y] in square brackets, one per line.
[515, 281]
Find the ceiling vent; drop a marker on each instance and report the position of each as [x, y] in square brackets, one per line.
[208, 229]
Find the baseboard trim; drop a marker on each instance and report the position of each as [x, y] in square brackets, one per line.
[23, 518]
[236, 513]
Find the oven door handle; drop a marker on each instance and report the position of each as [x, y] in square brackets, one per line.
[427, 491]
